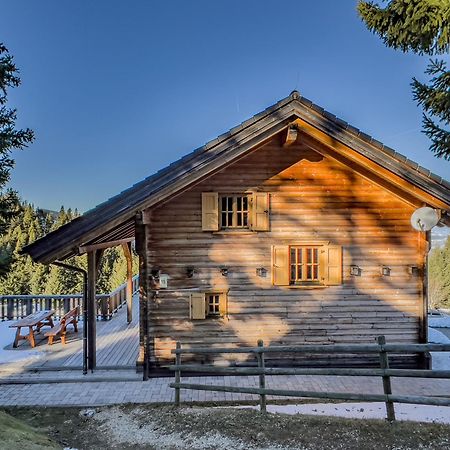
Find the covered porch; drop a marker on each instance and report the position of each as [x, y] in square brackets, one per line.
[117, 345]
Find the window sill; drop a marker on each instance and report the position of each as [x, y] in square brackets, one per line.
[235, 232]
[322, 286]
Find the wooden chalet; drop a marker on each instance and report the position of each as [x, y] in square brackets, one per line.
[293, 227]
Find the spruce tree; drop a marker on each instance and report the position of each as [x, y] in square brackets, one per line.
[423, 27]
[11, 138]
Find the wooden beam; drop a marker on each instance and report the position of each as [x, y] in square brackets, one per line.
[91, 309]
[128, 256]
[102, 245]
[291, 135]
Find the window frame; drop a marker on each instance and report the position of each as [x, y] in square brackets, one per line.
[235, 211]
[216, 305]
[307, 264]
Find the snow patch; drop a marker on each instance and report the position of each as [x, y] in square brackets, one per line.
[439, 322]
[8, 354]
[376, 410]
[436, 337]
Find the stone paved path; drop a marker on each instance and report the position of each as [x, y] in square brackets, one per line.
[93, 392]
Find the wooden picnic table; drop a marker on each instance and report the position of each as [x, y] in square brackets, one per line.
[34, 322]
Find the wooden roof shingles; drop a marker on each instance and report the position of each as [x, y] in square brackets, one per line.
[114, 218]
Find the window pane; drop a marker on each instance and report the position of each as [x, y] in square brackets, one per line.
[224, 203]
[230, 203]
[245, 203]
[316, 272]
[293, 258]
[239, 203]
[239, 220]
[245, 219]
[308, 272]
[293, 272]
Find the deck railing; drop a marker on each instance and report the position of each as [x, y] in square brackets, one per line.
[261, 370]
[13, 307]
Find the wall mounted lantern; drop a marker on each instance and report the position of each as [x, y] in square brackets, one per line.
[261, 272]
[414, 271]
[355, 270]
[385, 271]
[224, 271]
[190, 272]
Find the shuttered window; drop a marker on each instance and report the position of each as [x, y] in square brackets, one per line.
[235, 211]
[307, 265]
[205, 305]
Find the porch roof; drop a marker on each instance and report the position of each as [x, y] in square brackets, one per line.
[113, 220]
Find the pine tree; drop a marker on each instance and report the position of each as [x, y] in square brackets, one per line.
[439, 276]
[423, 27]
[10, 137]
[23, 276]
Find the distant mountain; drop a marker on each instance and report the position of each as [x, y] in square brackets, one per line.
[46, 212]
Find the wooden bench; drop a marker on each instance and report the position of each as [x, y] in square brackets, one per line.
[34, 322]
[71, 318]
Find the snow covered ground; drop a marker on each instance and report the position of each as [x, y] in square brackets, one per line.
[9, 355]
[439, 360]
[439, 321]
[415, 413]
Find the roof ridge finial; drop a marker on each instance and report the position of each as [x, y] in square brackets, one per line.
[295, 95]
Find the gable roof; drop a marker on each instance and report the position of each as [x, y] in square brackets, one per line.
[114, 219]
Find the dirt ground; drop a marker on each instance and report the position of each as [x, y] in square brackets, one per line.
[205, 428]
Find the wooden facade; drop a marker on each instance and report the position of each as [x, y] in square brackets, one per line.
[314, 199]
[293, 227]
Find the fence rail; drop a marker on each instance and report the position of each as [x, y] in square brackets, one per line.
[13, 307]
[261, 370]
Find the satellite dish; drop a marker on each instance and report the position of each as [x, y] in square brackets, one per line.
[424, 219]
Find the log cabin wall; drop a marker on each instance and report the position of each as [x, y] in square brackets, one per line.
[312, 198]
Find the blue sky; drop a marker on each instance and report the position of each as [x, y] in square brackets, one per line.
[116, 90]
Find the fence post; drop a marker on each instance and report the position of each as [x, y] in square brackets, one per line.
[262, 377]
[177, 374]
[104, 308]
[384, 364]
[10, 309]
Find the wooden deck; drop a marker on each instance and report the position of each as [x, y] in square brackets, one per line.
[117, 344]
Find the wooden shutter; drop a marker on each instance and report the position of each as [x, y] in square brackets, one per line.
[331, 264]
[260, 211]
[197, 306]
[210, 211]
[223, 304]
[280, 265]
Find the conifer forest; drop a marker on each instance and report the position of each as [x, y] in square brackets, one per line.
[20, 275]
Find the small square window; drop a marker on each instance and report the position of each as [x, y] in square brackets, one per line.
[213, 305]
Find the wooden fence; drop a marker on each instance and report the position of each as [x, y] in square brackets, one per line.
[261, 370]
[13, 307]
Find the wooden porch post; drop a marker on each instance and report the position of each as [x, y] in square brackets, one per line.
[92, 259]
[127, 252]
[141, 249]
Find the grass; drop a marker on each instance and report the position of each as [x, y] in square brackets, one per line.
[17, 435]
[204, 428]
